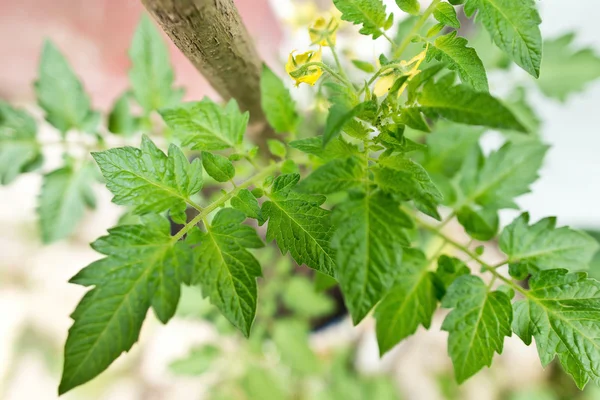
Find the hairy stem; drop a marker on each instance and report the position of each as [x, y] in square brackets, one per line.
[226, 197]
[418, 25]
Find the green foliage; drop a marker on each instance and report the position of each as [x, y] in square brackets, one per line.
[277, 103]
[543, 246]
[342, 191]
[567, 70]
[66, 192]
[299, 225]
[144, 268]
[150, 180]
[368, 13]
[226, 271]
[19, 149]
[61, 95]
[514, 27]
[151, 75]
[477, 324]
[205, 125]
[561, 312]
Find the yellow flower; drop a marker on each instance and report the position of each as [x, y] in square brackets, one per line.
[323, 32]
[310, 74]
[410, 68]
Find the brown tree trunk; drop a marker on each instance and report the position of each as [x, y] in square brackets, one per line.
[212, 36]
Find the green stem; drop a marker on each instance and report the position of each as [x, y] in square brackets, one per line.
[213, 206]
[378, 74]
[418, 25]
[337, 59]
[487, 267]
[389, 39]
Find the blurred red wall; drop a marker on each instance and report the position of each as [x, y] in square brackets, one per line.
[95, 36]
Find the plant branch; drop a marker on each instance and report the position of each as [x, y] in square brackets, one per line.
[418, 25]
[226, 197]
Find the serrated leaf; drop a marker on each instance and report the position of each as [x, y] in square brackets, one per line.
[565, 69]
[460, 103]
[449, 269]
[369, 239]
[205, 125]
[335, 176]
[479, 224]
[277, 103]
[65, 194]
[408, 180]
[504, 175]
[477, 325]
[299, 225]
[409, 6]
[247, 203]
[218, 167]
[452, 50]
[413, 118]
[19, 149]
[60, 93]
[562, 312]
[514, 27]
[336, 148]
[410, 303]
[151, 75]
[446, 14]
[120, 120]
[149, 180]
[545, 246]
[226, 271]
[143, 268]
[370, 13]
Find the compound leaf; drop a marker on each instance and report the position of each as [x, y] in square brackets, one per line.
[369, 13]
[337, 175]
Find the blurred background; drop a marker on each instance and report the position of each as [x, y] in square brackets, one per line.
[181, 360]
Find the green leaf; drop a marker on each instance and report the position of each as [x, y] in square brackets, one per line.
[410, 303]
[369, 13]
[462, 104]
[299, 225]
[120, 120]
[408, 180]
[364, 66]
[446, 14]
[218, 167]
[514, 27]
[452, 50]
[65, 194]
[197, 362]
[565, 69]
[449, 269]
[149, 180]
[277, 103]
[336, 148]
[479, 224]
[291, 339]
[562, 312]
[336, 119]
[477, 325]
[143, 268]
[205, 125]
[301, 297]
[335, 176]
[409, 6]
[413, 118]
[151, 75]
[19, 149]
[504, 175]
[277, 148]
[60, 92]
[369, 236]
[545, 246]
[517, 103]
[226, 271]
[247, 203]
[448, 145]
